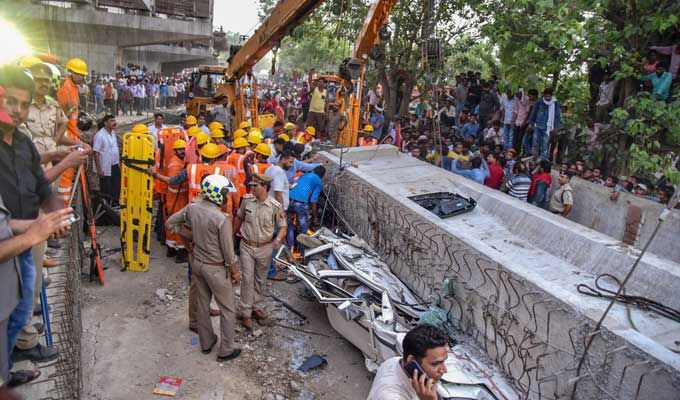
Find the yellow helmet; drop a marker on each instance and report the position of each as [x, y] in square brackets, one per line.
[210, 150]
[239, 133]
[76, 65]
[217, 133]
[201, 138]
[284, 137]
[140, 128]
[191, 120]
[310, 131]
[254, 138]
[29, 61]
[179, 144]
[244, 125]
[193, 131]
[264, 149]
[289, 126]
[368, 128]
[239, 143]
[215, 125]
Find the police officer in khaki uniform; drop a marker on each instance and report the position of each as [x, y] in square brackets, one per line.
[257, 218]
[213, 263]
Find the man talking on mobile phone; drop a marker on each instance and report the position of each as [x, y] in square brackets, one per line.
[426, 349]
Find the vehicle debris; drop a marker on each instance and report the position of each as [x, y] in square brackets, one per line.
[371, 308]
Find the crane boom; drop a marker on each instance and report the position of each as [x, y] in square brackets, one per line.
[286, 15]
[376, 18]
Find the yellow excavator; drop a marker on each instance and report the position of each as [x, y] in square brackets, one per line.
[241, 85]
[206, 81]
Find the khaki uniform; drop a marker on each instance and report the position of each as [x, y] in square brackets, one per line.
[42, 122]
[561, 198]
[260, 221]
[213, 253]
[175, 223]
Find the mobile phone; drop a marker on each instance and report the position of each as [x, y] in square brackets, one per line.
[73, 218]
[414, 366]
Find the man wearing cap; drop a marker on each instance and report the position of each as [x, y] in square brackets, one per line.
[317, 105]
[257, 219]
[214, 267]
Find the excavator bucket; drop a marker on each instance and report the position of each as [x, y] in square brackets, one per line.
[136, 198]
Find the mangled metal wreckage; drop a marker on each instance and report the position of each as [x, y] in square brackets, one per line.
[368, 305]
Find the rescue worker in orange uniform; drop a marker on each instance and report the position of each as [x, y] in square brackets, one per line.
[197, 139]
[239, 160]
[177, 197]
[68, 99]
[367, 139]
[262, 153]
[306, 136]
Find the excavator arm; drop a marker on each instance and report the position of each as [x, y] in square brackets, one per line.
[286, 15]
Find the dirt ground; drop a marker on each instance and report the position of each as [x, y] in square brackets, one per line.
[131, 337]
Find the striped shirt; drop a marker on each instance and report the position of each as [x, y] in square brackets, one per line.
[518, 186]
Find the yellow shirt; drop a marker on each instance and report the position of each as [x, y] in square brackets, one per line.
[457, 156]
[318, 103]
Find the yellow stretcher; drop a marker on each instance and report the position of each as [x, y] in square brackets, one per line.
[136, 196]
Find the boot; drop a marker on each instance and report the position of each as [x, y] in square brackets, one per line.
[182, 256]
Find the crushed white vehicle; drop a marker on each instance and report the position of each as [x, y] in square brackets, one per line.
[368, 305]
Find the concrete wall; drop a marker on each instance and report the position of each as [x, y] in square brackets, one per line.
[507, 274]
[594, 209]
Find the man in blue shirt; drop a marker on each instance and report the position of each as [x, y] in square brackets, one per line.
[471, 128]
[478, 173]
[377, 121]
[304, 196]
[661, 82]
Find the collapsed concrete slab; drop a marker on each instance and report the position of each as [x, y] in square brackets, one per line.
[507, 273]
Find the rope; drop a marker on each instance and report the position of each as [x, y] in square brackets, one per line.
[620, 296]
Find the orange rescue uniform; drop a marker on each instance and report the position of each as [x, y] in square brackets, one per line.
[176, 198]
[68, 99]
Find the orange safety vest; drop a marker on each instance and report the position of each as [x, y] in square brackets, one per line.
[261, 167]
[191, 155]
[68, 99]
[367, 142]
[195, 175]
[164, 153]
[233, 158]
[176, 198]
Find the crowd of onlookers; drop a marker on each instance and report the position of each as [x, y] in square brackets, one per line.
[132, 90]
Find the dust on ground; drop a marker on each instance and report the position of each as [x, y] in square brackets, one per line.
[133, 333]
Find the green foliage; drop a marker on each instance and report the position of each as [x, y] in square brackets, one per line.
[654, 128]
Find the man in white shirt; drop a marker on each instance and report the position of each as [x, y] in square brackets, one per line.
[157, 125]
[280, 187]
[107, 158]
[424, 344]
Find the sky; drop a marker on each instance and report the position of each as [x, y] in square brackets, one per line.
[236, 15]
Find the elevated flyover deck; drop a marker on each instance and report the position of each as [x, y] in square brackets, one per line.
[507, 272]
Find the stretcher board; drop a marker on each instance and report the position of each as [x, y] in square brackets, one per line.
[136, 196]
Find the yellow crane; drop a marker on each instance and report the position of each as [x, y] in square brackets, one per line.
[286, 15]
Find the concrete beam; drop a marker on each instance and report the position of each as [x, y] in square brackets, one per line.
[507, 274]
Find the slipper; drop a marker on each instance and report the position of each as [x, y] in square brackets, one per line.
[22, 377]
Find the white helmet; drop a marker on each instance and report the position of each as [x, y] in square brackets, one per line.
[215, 188]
